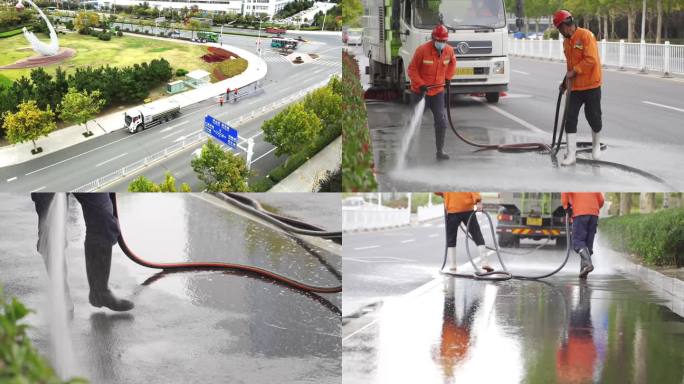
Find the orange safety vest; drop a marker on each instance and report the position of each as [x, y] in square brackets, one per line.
[456, 202]
[427, 67]
[581, 55]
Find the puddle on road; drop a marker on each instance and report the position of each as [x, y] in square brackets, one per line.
[607, 330]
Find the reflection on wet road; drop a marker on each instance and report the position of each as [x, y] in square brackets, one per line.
[606, 330]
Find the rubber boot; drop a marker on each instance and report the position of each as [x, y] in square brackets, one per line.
[450, 265]
[442, 156]
[570, 158]
[595, 145]
[585, 264]
[483, 256]
[98, 265]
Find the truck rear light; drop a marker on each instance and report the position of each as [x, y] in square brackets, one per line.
[504, 217]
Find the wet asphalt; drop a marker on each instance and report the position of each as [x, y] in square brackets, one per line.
[202, 326]
[415, 325]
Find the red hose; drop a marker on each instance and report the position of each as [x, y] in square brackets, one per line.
[217, 266]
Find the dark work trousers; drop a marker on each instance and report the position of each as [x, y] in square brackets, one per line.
[102, 228]
[583, 232]
[454, 220]
[591, 99]
[436, 104]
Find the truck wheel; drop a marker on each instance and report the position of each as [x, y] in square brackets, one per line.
[492, 97]
[137, 129]
[505, 241]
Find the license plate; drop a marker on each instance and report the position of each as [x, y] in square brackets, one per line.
[536, 221]
[465, 71]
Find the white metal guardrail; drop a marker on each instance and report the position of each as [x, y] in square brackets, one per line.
[191, 139]
[429, 212]
[664, 58]
[373, 217]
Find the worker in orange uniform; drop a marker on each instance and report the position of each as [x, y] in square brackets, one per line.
[432, 66]
[459, 206]
[585, 211]
[584, 69]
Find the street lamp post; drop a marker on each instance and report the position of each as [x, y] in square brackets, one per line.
[325, 13]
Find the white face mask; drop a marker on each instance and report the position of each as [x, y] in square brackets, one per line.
[439, 45]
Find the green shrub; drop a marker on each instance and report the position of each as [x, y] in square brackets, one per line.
[232, 67]
[657, 238]
[104, 36]
[357, 155]
[19, 360]
[119, 33]
[551, 33]
[262, 185]
[11, 33]
[180, 72]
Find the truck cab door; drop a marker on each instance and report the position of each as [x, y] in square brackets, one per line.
[404, 20]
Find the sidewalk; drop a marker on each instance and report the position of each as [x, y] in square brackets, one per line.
[307, 177]
[63, 138]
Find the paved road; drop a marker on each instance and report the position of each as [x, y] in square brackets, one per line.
[203, 326]
[75, 166]
[642, 120]
[451, 330]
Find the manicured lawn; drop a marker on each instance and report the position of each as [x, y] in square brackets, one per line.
[119, 52]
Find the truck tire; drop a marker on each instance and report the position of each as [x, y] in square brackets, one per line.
[492, 97]
[137, 129]
[506, 241]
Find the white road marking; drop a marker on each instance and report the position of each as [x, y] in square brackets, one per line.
[38, 189]
[408, 241]
[11, 179]
[112, 159]
[179, 139]
[171, 134]
[415, 293]
[378, 259]
[518, 120]
[368, 247]
[434, 235]
[663, 106]
[259, 158]
[520, 72]
[174, 126]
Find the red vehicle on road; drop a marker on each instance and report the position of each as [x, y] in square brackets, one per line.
[275, 30]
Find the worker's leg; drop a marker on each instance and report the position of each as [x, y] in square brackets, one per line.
[591, 232]
[436, 104]
[574, 105]
[581, 226]
[452, 223]
[102, 232]
[476, 235]
[592, 111]
[42, 203]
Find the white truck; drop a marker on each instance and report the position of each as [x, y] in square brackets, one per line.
[149, 115]
[478, 32]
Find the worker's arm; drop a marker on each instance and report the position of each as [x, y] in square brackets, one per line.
[439, 193]
[476, 197]
[590, 57]
[601, 200]
[451, 68]
[565, 199]
[413, 69]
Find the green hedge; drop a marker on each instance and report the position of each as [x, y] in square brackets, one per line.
[357, 155]
[657, 238]
[11, 33]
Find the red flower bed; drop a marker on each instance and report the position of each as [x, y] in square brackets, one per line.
[217, 55]
[218, 74]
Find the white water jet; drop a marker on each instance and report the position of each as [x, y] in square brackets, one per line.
[52, 245]
[409, 132]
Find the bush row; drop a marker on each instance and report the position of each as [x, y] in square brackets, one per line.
[657, 238]
[357, 155]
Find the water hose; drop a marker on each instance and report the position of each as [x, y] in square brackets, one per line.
[503, 274]
[185, 266]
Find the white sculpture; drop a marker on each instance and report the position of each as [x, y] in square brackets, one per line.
[37, 45]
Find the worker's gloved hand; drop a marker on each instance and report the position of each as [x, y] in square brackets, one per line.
[561, 87]
[423, 89]
[479, 206]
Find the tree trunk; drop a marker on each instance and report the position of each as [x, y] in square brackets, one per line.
[659, 23]
[600, 27]
[527, 26]
[676, 200]
[612, 25]
[647, 202]
[631, 19]
[625, 203]
[666, 200]
[536, 25]
[35, 147]
[605, 27]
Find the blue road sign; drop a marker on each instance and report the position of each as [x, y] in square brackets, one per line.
[221, 131]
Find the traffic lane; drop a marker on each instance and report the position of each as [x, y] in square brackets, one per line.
[560, 330]
[56, 172]
[625, 98]
[260, 330]
[380, 265]
[484, 123]
[179, 166]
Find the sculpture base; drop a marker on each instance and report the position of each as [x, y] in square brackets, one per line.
[42, 61]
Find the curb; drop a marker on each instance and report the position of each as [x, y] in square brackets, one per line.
[670, 288]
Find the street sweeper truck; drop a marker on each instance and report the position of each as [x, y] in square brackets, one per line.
[148, 115]
[478, 32]
[530, 215]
